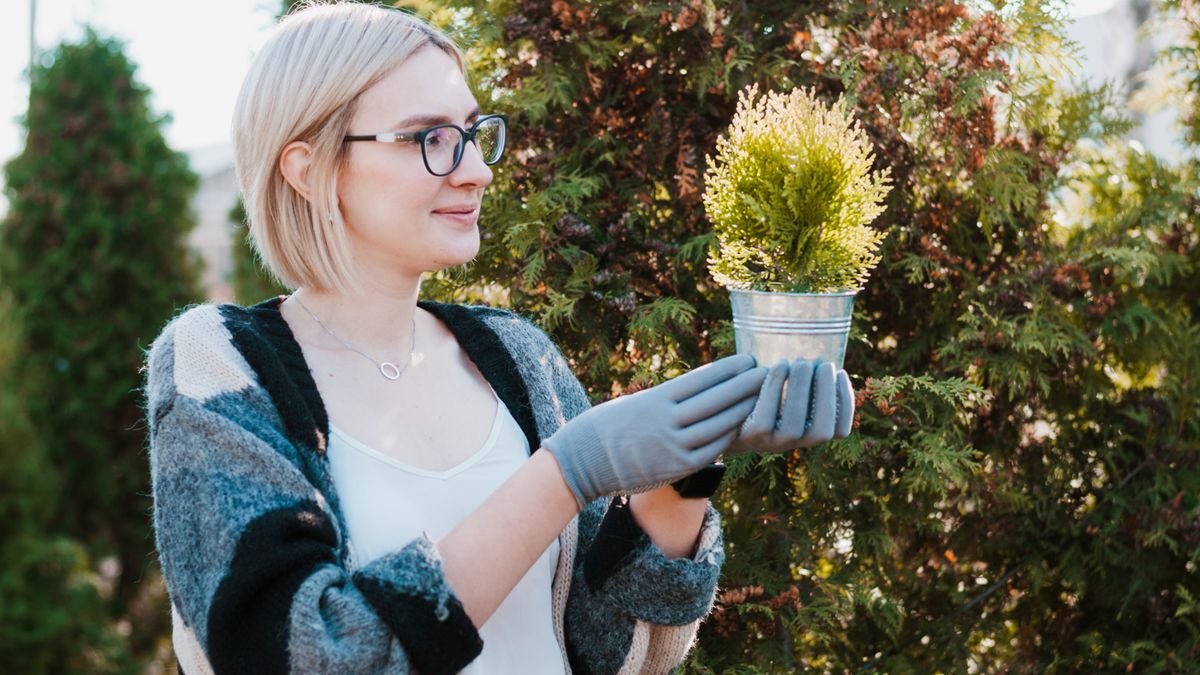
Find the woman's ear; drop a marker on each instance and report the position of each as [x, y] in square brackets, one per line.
[293, 164]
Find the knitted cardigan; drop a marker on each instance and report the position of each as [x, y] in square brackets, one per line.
[253, 544]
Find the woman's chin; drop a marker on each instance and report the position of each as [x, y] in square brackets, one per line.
[454, 257]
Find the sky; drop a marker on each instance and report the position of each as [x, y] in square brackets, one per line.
[192, 55]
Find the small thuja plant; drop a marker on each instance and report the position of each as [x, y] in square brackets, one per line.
[791, 196]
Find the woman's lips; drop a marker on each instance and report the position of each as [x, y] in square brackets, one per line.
[461, 216]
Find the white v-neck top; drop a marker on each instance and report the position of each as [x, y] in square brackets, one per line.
[388, 503]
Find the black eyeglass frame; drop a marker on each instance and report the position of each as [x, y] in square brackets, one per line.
[465, 136]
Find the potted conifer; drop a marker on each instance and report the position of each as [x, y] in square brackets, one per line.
[791, 196]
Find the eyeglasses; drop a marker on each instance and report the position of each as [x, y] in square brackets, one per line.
[442, 145]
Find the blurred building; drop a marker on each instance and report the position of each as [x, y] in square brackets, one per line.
[1121, 43]
[213, 236]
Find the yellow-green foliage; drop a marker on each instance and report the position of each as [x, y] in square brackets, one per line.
[791, 196]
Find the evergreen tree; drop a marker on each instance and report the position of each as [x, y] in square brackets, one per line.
[1022, 488]
[252, 282]
[93, 256]
[51, 607]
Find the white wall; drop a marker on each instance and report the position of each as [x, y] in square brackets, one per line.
[213, 236]
[1120, 45]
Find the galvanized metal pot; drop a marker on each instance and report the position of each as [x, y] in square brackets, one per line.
[773, 326]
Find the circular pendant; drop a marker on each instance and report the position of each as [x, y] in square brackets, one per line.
[389, 370]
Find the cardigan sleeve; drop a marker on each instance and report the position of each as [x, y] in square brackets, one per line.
[629, 570]
[625, 594]
[250, 550]
[628, 603]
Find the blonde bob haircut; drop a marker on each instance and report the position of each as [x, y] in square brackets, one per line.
[303, 86]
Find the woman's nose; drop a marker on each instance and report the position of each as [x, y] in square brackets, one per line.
[472, 170]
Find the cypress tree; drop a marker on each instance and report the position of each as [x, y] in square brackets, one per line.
[51, 607]
[94, 258]
[1021, 489]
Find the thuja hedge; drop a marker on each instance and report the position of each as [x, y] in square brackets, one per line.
[1022, 490]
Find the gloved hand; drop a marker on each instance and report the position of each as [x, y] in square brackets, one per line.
[658, 435]
[819, 407]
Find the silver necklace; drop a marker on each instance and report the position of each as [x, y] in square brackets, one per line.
[388, 369]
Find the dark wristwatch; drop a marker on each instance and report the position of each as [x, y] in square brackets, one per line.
[702, 484]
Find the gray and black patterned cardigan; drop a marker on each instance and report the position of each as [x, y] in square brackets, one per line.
[253, 545]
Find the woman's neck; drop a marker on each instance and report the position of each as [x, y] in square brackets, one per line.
[378, 321]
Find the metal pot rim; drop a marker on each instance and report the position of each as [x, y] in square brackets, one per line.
[832, 294]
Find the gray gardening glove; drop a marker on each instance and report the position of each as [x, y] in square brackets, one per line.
[819, 407]
[658, 435]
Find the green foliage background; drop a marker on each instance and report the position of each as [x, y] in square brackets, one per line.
[251, 281]
[1022, 492]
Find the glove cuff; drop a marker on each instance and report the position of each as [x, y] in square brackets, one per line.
[584, 462]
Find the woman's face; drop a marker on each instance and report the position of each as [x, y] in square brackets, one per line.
[401, 218]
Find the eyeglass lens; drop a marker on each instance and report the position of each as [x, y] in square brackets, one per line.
[443, 146]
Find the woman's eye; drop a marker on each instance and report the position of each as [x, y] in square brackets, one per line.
[437, 137]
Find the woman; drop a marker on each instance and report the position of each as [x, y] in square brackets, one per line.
[346, 479]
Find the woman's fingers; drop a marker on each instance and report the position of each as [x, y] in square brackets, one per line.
[824, 405]
[761, 421]
[711, 428]
[705, 377]
[708, 454]
[719, 397]
[845, 405]
[793, 421]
